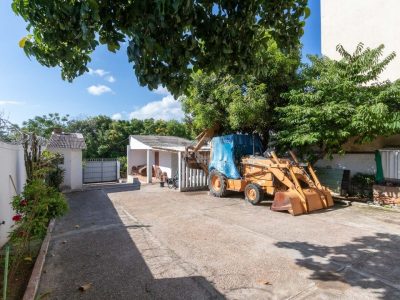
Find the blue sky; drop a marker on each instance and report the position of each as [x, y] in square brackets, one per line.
[28, 89]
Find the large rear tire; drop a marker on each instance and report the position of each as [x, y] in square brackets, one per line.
[217, 184]
[253, 193]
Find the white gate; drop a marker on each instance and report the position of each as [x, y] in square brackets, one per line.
[100, 170]
[391, 164]
[191, 179]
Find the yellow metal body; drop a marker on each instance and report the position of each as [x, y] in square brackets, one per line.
[294, 189]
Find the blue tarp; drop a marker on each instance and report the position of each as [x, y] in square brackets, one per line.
[228, 150]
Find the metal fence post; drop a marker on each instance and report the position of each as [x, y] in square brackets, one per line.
[102, 170]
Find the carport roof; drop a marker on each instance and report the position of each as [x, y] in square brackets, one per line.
[66, 141]
[163, 142]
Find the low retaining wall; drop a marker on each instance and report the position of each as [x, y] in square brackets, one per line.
[384, 194]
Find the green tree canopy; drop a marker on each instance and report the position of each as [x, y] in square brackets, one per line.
[44, 125]
[242, 103]
[341, 99]
[108, 138]
[167, 38]
[104, 137]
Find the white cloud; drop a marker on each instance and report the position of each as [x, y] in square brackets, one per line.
[98, 72]
[10, 102]
[98, 90]
[116, 116]
[161, 90]
[167, 109]
[110, 79]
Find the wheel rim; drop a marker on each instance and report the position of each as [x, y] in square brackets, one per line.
[251, 194]
[216, 183]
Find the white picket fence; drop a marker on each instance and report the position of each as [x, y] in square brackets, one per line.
[191, 179]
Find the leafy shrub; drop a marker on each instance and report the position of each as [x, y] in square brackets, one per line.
[34, 208]
[123, 166]
[362, 185]
[55, 177]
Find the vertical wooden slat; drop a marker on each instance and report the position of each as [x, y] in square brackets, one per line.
[180, 171]
[183, 174]
[186, 177]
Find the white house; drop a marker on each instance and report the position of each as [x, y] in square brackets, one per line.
[70, 146]
[151, 152]
[372, 22]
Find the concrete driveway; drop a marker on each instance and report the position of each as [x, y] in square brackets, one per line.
[160, 244]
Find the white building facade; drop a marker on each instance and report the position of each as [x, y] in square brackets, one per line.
[164, 154]
[372, 22]
[70, 146]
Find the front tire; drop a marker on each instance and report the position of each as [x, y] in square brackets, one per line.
[253, 193]
[217, 184]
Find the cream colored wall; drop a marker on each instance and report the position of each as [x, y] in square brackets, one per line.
[11, 164]
[372, 22]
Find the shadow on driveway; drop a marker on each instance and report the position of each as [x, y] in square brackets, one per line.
[369, 262]
[92, 245]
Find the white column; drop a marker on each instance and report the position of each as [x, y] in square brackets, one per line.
[180, 171]
[128, 166]
[118, 170]
[149, 166]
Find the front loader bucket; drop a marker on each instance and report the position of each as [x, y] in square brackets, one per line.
[289, 201]
[314, 200]
[328, 198]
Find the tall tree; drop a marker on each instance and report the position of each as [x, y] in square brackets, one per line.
[339, 100]
[44, 125]
[242, 103]
[167, 38]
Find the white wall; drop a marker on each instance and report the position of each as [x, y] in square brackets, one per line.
[11, 163]
[72, 168]
[165, 162]
[76, 169]
[372, 22]
[135, 158]
[355, 162]
[174, 164]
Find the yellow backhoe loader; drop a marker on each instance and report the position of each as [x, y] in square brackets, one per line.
[236, 164]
